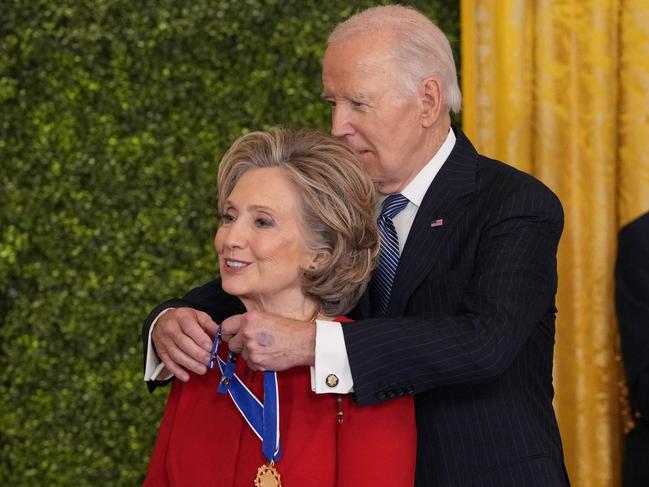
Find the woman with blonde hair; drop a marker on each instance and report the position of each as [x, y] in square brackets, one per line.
[297, 238]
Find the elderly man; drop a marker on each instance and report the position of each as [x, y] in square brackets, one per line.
[460, 311]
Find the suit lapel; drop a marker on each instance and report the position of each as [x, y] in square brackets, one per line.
[364, 307]
[440, 212]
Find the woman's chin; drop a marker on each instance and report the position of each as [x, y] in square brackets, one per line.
[244, 294]
[232, 288]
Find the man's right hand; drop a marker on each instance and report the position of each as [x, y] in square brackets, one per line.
[182, 339]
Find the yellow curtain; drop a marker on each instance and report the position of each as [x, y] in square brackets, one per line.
[560, 89]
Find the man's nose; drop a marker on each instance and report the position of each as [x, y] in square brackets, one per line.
[340, 123]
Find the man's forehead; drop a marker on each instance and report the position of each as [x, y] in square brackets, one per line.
[367, 50]
[361, 78]
[343, 60]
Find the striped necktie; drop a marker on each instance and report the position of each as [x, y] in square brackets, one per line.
[389, 255]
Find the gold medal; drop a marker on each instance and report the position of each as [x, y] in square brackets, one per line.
[268, 476]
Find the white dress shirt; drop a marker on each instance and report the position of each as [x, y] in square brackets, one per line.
[154, 365]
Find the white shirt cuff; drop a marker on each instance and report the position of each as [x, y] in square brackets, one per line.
[331, 372]
[153, 363]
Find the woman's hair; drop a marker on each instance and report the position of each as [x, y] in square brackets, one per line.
[337, 206]
[420, 48]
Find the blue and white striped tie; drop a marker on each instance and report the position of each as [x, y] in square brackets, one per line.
[389, 255]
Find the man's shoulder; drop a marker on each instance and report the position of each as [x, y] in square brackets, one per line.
[498, 186]
[498, 178]
[498, 171]
[494, 174]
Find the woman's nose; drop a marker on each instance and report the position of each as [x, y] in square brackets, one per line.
[231, 235]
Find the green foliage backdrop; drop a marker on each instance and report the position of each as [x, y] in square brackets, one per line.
[113, 115]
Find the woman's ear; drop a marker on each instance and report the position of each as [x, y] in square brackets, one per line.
[318, 260]
[432, 100]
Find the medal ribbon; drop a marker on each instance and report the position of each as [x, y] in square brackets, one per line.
[262, 418]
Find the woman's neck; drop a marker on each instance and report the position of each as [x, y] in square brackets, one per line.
[299, 307]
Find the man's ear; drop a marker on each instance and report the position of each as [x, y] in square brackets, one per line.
[432, 100]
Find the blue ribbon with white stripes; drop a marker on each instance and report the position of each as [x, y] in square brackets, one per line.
[263, 418]
[389, 255]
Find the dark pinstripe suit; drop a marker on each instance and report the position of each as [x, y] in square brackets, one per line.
[472, 332]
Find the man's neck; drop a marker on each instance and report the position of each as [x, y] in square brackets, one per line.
[430, 147]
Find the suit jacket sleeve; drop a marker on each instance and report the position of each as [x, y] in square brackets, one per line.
[209, 298]
[467, 322]
[632, 303]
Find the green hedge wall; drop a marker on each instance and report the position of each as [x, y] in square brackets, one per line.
[113, 115]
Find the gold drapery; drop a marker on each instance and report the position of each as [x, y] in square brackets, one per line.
[560, 89]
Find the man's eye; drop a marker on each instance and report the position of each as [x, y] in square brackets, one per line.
[264, 222]
[331, 103]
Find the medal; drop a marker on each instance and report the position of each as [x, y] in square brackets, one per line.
[263, 418]
[268, 476]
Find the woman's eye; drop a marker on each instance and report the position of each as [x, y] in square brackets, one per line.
[226, 218]
[264, 222]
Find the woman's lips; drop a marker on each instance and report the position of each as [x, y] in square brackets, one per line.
[236, 265]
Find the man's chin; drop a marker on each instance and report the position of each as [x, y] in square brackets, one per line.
[369, 161]
[381, 189]
[387, 187]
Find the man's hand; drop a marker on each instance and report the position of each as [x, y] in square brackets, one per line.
[270, 342]
[182, 339]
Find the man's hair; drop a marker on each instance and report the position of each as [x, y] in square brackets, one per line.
[420, 48]
[337, 207]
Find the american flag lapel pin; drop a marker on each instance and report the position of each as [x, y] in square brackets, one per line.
[437, 223]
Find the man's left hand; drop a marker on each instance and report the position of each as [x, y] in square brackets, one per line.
[270, 342]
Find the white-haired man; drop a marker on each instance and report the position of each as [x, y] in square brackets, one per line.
[460, 311]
